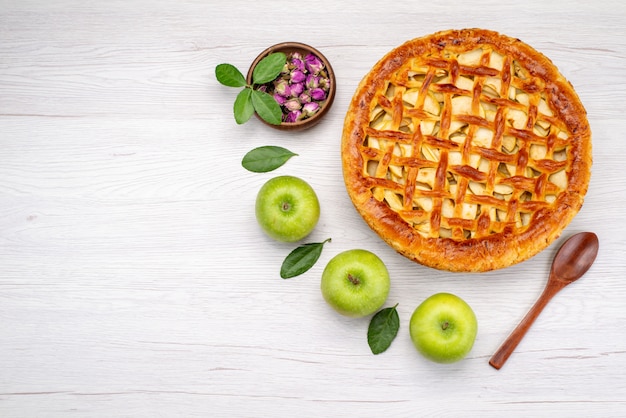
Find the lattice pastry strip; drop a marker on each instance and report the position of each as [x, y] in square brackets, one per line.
[464, 141]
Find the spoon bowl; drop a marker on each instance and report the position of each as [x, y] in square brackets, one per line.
[571, 262]
[575, 257]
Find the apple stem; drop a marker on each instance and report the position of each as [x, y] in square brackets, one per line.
[286, 206]
[354, 280]
[445, 325]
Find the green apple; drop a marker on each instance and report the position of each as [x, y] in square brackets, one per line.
[443, 328]
[355, 283]
[287, 208]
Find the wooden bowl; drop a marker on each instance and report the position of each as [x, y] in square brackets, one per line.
[287, 48]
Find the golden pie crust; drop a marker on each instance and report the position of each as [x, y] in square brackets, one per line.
[466, 150]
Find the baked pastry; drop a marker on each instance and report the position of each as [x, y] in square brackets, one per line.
[466, 150]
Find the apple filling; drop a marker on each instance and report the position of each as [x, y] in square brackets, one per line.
[464, 145]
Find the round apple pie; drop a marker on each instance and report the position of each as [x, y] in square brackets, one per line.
[466, 150]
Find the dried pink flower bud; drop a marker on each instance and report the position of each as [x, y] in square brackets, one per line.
[296, 89]
[312, 81]
[298, 64]
[296, 55]
[280, 99]
[292, 104]
[293, 116]
[324, 83]
[313, 64]
[310, 109]
[282, 88]
[297, 76]
[318, 94]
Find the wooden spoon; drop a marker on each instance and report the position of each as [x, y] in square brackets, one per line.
[572, 260]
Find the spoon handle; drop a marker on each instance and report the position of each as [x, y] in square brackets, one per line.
[509, 345]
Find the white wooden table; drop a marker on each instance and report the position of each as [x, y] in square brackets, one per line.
[134, 280]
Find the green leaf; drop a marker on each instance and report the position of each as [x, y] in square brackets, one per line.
[243, 108]
[268, 68]
[229, 75]
[301, 259]
[383, 329]
[267, 108]
[267, 158]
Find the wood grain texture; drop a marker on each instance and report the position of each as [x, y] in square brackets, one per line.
[134, 280]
